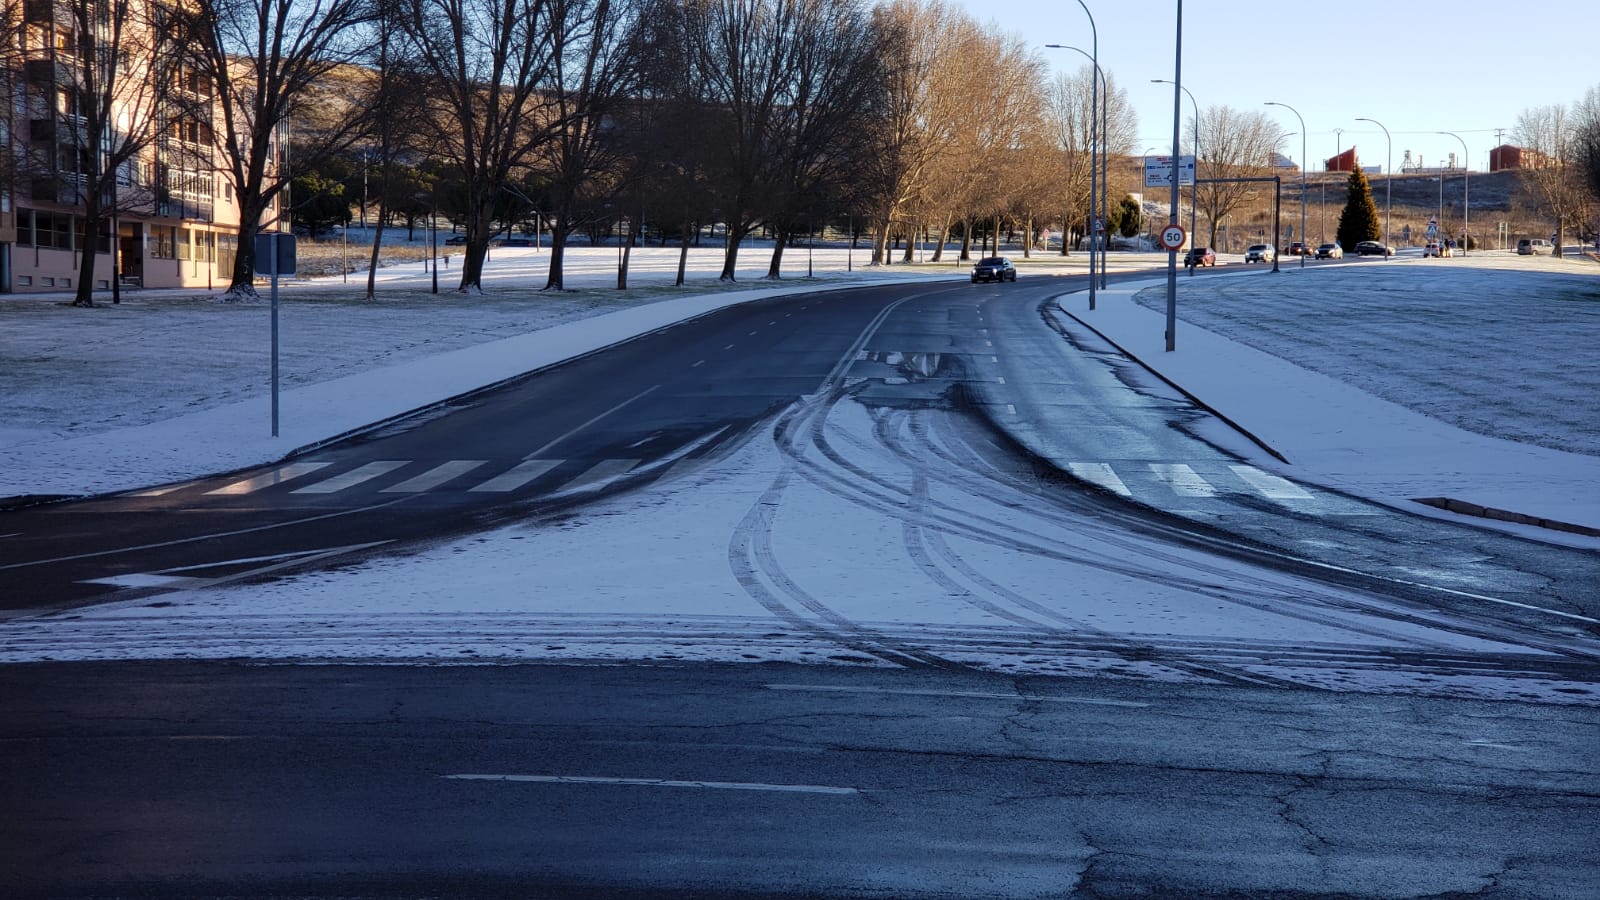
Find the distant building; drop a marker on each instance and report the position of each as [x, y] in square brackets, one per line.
[1279, 161]
[1506, 156]
[1344, 162]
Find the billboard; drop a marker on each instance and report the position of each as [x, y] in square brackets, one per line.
[1158, 171]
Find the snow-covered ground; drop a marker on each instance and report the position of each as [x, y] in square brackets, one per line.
[1473, 379]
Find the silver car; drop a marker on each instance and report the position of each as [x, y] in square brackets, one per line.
[1259, 253]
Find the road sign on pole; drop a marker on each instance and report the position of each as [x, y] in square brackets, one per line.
[1173, 237]
[1158, 171]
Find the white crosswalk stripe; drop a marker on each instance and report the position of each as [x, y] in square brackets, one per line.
[1101, 474]
[276, 476]
[599, 475]
[1183, 480]
[434, 477]
[1271, 486]
[353, 477]
[517, 476]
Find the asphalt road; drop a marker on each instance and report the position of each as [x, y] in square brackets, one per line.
[187, 780]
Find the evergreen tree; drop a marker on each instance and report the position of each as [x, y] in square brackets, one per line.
[1359, 221]
[1132, 217]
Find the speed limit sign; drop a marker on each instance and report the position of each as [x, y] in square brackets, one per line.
[1173, 237]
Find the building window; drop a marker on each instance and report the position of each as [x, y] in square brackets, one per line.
[163, 242]
[183, 244]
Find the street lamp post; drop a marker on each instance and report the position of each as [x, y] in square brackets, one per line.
[1172, 217]
[1297, 115]
[1388, 177]
[1194, 187]
[1466, 197]
[1095, 77]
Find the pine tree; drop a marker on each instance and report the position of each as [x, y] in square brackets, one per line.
[1359, 220]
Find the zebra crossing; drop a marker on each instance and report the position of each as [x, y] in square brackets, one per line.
[406, 476]
[1160, 483]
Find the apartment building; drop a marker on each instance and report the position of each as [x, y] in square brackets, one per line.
[174, 221]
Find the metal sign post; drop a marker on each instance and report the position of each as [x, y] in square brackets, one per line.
[274, 255]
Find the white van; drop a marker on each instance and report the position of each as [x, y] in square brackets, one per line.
[1533, 247]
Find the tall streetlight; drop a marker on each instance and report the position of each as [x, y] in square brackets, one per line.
[1466, 197]
[1388, 176]
[1096, 151]
[1297, 115]
[1172, 216]
[1194, 186]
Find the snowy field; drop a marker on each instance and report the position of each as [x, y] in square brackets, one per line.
[1469, 378]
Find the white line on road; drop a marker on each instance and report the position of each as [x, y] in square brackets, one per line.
[435, 476]
[662, 782]
[1101, 474]
[1271, 486]
[276, 476]
[1183, 480]
[353, 477]
[518, 475]
[964, 695]
[642, 394]
[698, 364]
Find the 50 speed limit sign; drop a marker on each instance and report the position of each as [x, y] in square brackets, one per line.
[1173, 236]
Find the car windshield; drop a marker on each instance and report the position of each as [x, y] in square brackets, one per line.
[991, 261]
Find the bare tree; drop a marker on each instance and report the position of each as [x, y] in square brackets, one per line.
[1549, 140]
[11, 61]
[925, 76]
[262, 56]
[118, 66]
[1233, 144]
[487, 61]
[1587, 150]
[833, 84]
[593, 69]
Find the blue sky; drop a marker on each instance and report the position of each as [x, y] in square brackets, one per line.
[1469, 66]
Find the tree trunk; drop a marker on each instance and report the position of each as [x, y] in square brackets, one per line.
[775, 265]
[84, 295]
[683, 252]
[730, 254]
[558, 253]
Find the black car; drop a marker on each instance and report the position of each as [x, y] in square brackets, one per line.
[994, 268]
[1373, 248]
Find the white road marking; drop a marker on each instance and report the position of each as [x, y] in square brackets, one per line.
[276, 476]
[662, 782]
[1183, 480]
[698, 364]
[1011, 408]
[144, 579]
[1270, 486]
[1101, 474]
[1000, 380]
[599, 475]
[518, 475]
[160, 492]
[435, 476]
[965, 695]
[353, 477]
[729, 347]
[546, 448]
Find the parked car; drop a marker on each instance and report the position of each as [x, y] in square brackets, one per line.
[1298, 248]
[1373, 248]
[994, 268]
[1330, 251]
[1436, 249]
[1200, 256]
[455, 239]
[1259, 253]
[1533, 247]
